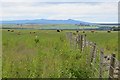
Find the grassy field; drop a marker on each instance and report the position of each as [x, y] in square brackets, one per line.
[51, 57]
[108, 41]
[48, 26]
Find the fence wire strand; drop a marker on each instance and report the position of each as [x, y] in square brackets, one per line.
[96, 64]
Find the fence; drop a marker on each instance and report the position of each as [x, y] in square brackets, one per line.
[102, 65]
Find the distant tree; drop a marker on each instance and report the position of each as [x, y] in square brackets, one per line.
[115, 28]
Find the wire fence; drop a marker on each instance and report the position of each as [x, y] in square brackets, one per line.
[102, 65]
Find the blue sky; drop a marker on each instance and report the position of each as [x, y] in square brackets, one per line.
[84, 10]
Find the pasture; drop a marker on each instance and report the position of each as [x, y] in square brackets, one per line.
[51, 56]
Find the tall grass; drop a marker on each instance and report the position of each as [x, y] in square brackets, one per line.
[52, 57]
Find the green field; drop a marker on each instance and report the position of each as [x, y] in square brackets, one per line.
[52, 56]
[47, 26]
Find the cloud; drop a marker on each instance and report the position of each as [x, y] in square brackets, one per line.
[59, 0]
[96, 12]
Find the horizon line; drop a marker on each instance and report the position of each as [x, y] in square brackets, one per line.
[55, 19]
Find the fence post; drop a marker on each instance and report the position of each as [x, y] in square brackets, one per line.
[112, 66]
[85, 40]
[101, 63]
[77, 41]
[93, 52]
[81, 42]
[119, 70]
[79, 37]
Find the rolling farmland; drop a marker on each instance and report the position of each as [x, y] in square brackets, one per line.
[52, 56]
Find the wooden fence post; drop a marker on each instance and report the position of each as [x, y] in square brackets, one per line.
[81, 42]
[118, 70]
[78, 42]
[85, 40]
[93, 52]
[112, 66]
[101, 63]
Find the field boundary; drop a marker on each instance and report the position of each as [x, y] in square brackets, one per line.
[102, 65]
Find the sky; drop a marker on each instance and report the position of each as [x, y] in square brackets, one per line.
[101, 11]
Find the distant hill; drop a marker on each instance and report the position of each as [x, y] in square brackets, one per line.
[45, 21]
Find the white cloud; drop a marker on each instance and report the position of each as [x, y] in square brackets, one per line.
[96, 12]
[59, 0]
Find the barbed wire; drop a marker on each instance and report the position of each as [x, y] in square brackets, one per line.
[115, 59]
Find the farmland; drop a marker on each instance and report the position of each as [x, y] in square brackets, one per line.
[52, 56]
